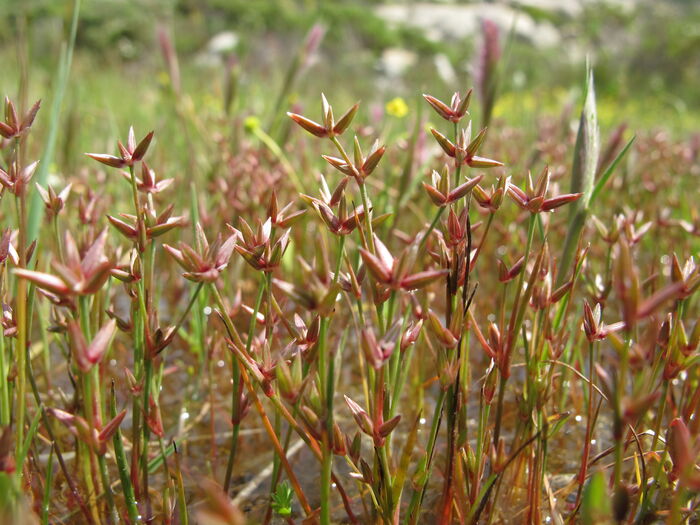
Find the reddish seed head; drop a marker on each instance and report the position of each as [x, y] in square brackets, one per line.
[329, 128]
[13, 127]
[128, 155]
[457, 109]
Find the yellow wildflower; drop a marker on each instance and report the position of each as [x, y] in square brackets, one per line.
[397, 107]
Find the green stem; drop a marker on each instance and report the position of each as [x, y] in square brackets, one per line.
[618, 424]
[235, 395]
[473, 260]
[246, 367]
[430, 229]
[413, 513]
[57, 237]
[169, 488]
[327, 381]
[145, 299]
[107, 489]
[458, 166]
[363, 193]
[517, 307]
[140, 409]
[399, 372]
[86, 456]
[21, 347]
[181, 500]
[146, 432]
[89, 406]
[368, 216]
[189, 306]
[514, 328]
[386, 479]
[4, 384]
[123, 466]
[256, 310]
[339, 261]
[499, 408]
[92, 404]
[137, 210]
[589, 423]
[48, 484]
[660, 415]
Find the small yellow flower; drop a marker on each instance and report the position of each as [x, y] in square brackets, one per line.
[251, 124]
[397, 107]
[163, 79]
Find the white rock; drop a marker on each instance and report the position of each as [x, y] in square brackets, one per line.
[395, 61]
[222, 43]
[442, 21]
[445, 70]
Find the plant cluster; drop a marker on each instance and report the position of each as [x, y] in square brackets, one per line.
[469, 346]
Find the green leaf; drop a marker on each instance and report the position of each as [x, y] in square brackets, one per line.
[608, 172]
[282, 499]
[36, 207]
[8, 491]
[557, 424]
[587, 148]
[157, 461]
[595, 504]
[583, 170]
[31, 433]
[48, 485]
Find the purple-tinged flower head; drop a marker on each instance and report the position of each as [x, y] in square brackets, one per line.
[330, 128]
[96, 437]
[204, 264]
[442, 194]
[258, 247]
[394, 272]
[533, 198]
[77, 275]
[128, 155]
[493, 199]
[54, 202]
[455, 111]
[14, 127]
[466, 149]
[16, 179]
[593, 326]
[362, 165]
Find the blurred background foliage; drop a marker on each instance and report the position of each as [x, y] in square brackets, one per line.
[646, 53]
